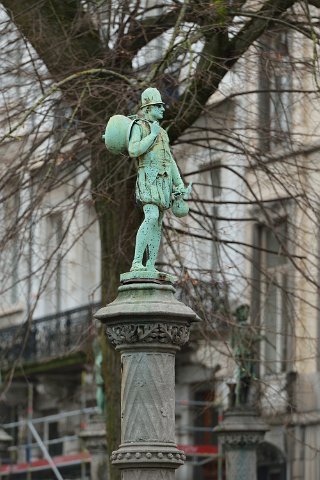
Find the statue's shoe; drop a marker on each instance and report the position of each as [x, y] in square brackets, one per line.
[151, 269]
[137, 267]
[145, 274]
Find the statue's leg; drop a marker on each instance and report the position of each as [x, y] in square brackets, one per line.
[145, 234]
[154, 243]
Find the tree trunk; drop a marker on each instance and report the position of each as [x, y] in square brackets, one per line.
[118, 218]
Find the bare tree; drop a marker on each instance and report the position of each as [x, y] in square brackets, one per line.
[92, 59]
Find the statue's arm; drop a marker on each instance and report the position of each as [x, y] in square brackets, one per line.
[137, 145]
[176, 177]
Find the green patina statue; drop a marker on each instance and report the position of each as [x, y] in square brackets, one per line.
[243, 343]
[158, 176]
[159, 185]
[100, 394]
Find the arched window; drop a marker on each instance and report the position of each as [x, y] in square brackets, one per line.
[271, 462]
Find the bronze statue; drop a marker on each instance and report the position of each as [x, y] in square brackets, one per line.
[159, 185]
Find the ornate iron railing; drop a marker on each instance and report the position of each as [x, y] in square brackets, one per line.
[208, 299]
[48, 337]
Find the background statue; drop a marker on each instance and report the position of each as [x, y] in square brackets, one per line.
[100, 393]
[159, 185]
[243, 347]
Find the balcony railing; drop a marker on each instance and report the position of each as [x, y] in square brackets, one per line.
[48, 337]
[208, 299]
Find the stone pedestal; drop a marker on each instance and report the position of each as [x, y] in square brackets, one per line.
[148, 325]
[5, 442]
[239, 434]
[94, 440]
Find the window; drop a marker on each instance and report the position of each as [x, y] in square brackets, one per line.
[275, 308]
[274, 297]
[271, 462]
[54, 256]
[210, 183]
[10, 238]
[274, 101]
[215, 179]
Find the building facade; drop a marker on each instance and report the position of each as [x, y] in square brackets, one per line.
[251, 239]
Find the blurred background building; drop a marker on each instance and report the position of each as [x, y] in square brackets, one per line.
[251, 239]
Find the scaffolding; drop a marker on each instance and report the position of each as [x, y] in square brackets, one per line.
[33, 452]
[39, 441]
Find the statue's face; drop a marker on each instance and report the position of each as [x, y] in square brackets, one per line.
[156, 111]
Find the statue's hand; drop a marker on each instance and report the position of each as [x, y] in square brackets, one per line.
[179, 190]
[182, 190]
[155, 128]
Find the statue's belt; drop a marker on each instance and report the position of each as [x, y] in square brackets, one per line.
[163, 166]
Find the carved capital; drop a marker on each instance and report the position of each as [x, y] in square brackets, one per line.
[242, 428]
[148, 333]
[241, 440]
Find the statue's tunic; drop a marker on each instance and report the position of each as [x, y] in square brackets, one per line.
[158, 174]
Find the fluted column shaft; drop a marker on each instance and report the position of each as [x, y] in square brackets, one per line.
[147, 324]
[148, 397]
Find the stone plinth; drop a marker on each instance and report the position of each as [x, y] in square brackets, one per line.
[144, 275]
[94, 440]
[148, 325]
[239, 434]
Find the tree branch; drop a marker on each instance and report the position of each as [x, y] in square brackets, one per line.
[219, 54]
[60, 32]
[315, 3]
[143, 31]
[270, 11]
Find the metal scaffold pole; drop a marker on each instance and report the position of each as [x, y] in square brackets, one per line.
[44, 450]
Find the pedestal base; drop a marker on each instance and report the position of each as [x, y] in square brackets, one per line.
[148, 325]
[240, 433]
[148, 474]
[94, 439]
[145, 276]
[148, 455]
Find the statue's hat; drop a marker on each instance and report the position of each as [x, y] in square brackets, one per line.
[150, 96]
